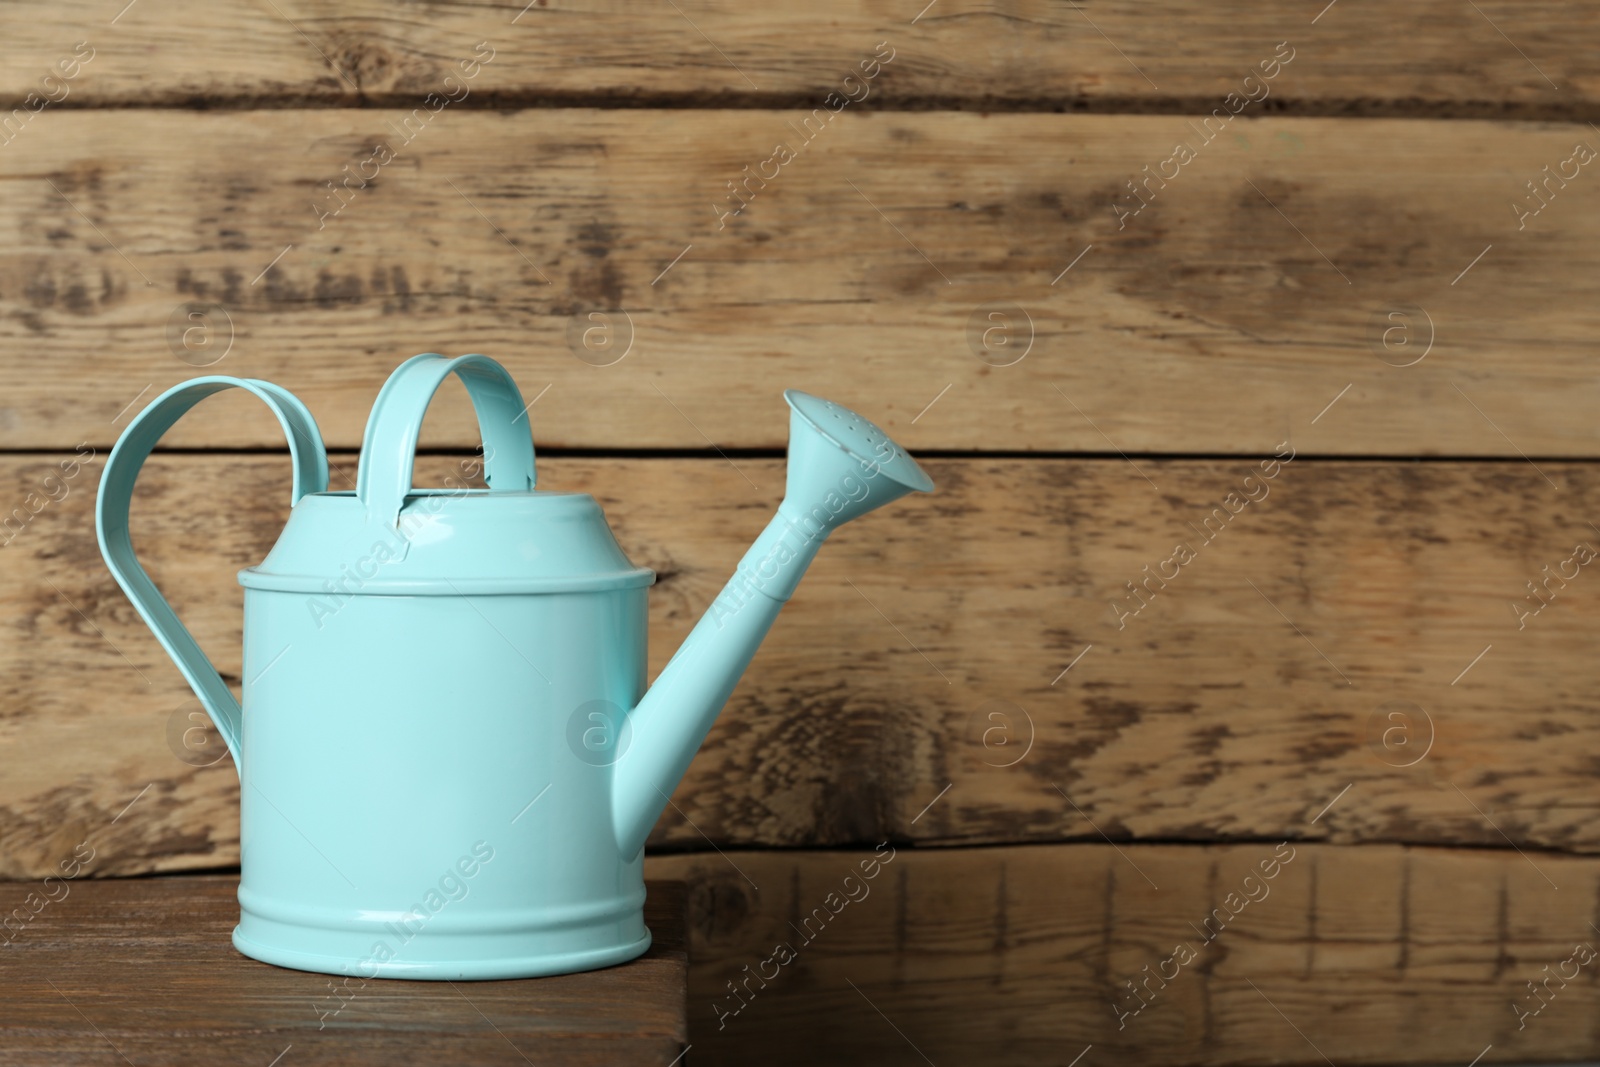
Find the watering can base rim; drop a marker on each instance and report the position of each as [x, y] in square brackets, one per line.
[542, 965]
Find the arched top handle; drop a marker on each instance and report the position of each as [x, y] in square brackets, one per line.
[389, 446]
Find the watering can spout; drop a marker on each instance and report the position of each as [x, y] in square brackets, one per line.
[840, 467]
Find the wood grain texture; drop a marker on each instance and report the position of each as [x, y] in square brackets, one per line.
[144, 969]
[1437, 56]
[926, 649]
[1369, 954]
[1249, 296]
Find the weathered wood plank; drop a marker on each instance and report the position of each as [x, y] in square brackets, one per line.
[144, 969]
[1372, 954]
[1332, 634]
[1444, 56]
[864, 271]
[1376, 954]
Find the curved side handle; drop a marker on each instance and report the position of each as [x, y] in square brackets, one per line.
[389, 446]
[111, 523]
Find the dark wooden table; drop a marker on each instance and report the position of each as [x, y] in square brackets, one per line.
[141, 971]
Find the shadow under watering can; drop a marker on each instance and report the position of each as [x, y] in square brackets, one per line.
[411, 657]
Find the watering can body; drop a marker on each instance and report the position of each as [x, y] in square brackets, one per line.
[448, 757]
[427, 761]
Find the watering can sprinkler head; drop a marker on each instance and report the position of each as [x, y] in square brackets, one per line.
[841, 466]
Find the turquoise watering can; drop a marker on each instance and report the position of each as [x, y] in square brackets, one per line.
[448, 760]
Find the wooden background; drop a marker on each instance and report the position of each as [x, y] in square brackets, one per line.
[1343, 669]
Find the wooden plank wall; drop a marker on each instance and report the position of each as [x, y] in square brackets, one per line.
[1380, 669]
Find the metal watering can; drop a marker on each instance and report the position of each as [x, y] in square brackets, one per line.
[448, 760]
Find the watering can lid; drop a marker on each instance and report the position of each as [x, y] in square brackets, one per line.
[447, 542]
